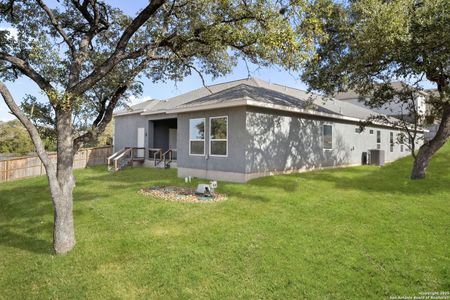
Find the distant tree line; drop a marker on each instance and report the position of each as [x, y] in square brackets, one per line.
[14, 138]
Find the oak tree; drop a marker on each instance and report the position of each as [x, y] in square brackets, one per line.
[86, 54]
[364, 45]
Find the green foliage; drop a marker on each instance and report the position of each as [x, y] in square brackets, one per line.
[43, 117]
[104, 139]
[364, 45]
[14, 138]
[89, 65]
[208, 35]
[351, 233]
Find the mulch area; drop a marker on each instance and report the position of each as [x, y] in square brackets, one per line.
[180, 194]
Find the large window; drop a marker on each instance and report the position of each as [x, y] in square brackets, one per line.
[327, 137]
[218, 136]
[197, 136]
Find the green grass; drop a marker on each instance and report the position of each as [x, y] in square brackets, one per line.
[354, 233]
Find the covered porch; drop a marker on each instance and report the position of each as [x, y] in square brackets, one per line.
[162, 142]
[145, 140]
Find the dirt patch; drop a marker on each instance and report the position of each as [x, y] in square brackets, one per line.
[180, 194]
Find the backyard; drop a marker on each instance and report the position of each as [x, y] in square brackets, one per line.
[360, 232]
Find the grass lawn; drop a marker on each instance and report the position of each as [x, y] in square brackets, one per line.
[353, 233]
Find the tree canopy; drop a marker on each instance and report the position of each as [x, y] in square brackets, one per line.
[14, 138]
[86, 57]
[364, 45]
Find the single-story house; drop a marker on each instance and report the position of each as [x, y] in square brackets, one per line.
[240, 130]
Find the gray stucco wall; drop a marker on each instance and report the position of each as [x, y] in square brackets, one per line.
[125, 130]
[234, 162]
[289, 142]
[261, 141]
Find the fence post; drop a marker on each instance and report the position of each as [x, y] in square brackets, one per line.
[7, 171]
[7, 165]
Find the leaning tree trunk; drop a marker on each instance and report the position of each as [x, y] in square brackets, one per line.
[428, 149]
[63, 230]
[61, 180]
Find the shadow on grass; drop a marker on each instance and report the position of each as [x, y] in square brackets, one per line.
[391, 178]
[132, 175]
[23, 206]
[11, 238]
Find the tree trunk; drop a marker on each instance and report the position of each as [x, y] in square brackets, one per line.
[64, 231]
[61, 180]
[428, 149]
[63, 226]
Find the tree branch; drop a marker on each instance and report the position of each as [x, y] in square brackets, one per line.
[27, 70]
[32, 131]
[119, 53]
[56, 25]
[105, 114]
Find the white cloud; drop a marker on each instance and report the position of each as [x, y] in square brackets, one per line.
[133, 100]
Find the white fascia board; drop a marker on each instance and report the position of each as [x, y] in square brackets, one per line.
[118, 114]
[301, 111]
[250, 102]
[153, 112]
[208, 106]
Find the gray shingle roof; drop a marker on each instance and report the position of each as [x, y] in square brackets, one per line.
[256, 93]
[256, 90]
[351, 94]
[265, 92]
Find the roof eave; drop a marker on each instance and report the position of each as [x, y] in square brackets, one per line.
[254, 103]
[125, 113]
[248, 102]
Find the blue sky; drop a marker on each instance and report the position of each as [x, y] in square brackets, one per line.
[158, 90]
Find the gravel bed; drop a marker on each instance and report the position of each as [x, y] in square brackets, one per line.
[180, 194]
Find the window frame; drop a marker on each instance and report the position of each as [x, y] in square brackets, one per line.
[197, 140]
[218, 140]
[323, 137]
[378, 142]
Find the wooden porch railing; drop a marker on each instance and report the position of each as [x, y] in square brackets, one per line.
[168, 156]
[138, 153]
[125, 156]
[156, 154]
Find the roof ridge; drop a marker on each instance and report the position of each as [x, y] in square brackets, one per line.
[231, 81]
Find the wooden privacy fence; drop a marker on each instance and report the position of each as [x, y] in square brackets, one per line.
[22, 167]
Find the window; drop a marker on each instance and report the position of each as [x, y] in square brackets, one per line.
[327, 137]
[401, 141]
[391, 140]
[197, 137]
[358, 130]
[378, 139]
[371, 131]
[218, 132]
